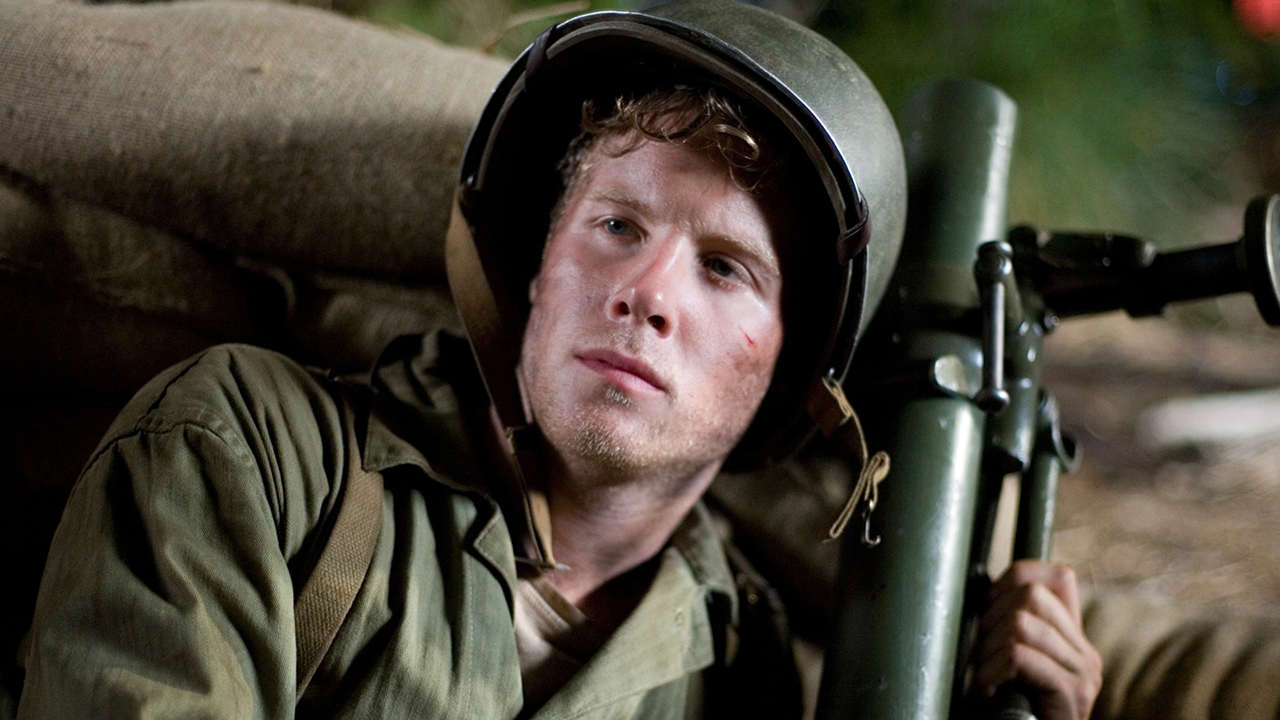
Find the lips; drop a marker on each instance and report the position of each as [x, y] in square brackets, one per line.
[622, 370]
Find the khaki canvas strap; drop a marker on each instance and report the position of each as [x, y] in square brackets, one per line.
[834, 415]
[331, 590]
[497, 351]
[495, 339]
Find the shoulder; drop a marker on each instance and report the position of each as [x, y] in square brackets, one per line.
[225, 389]
[235, 422]
[275, 419]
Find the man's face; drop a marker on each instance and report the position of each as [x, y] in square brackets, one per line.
[656, 318]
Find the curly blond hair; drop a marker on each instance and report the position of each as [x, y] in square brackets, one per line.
[701, 119]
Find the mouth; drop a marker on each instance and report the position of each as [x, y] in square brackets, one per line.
[627, 372]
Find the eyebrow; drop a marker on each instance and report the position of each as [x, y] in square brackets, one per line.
[764, 255]
[758, 250]
[631, 203]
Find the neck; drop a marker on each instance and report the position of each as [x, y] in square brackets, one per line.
[607, 528]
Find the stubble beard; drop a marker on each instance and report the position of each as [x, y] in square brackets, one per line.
[596, 436]
[597, 433]
[601, 434]
[604, 436]
[591, 437]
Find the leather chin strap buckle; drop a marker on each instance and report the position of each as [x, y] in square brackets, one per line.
[831, 410]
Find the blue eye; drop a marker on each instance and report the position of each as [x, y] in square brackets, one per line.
[722, 267]
[614, 226]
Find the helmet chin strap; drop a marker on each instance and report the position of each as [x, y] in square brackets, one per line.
[831, 411]
[495, 342]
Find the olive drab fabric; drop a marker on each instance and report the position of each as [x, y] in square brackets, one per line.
[171, 583]
[342, 566]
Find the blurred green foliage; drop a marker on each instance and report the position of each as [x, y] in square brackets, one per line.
[1153, 117]
[1128, 110]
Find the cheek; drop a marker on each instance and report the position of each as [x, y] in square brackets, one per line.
[743, 370]
[562, 298]
[758, 352]
[566, 280]
[743, 332]
[758, 329]
[548, 294]
[552, 292]
[749, 350]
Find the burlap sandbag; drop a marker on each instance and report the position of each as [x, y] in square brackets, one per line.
[80, 248]
[97, 302]
[1162, 662]
[281, 133]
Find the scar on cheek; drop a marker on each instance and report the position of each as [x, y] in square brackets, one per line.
[750, 342]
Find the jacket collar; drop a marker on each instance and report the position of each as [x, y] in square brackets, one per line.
[422, 384]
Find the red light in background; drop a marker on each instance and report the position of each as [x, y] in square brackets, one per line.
[1260, 17]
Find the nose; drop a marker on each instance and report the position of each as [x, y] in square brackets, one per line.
[651, 289]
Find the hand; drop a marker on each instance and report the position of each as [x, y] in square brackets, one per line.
[1032, 631]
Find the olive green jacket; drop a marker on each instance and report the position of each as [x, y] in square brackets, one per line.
[170, 586]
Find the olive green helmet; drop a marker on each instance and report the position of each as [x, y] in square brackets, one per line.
[814, 92]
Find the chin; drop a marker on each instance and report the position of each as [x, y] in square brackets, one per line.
[603, 437]
[599, 443]
[620, 454]
[603, 451]
[616, 438]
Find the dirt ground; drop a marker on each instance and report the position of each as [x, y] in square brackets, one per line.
[1198, 523]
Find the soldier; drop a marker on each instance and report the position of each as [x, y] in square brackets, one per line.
[675, 225]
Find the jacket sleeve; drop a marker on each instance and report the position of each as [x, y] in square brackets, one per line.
[167, 591]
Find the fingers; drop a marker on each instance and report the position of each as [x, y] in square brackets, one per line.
[1040, 601]
[1059, 693]
[1059, 579]
[1032, 632]
[1024, 628]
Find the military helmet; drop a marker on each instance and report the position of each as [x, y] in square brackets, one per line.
[813, 91]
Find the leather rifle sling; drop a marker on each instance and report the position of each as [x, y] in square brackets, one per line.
[331, 590]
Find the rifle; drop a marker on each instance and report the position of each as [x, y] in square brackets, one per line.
[951, 369]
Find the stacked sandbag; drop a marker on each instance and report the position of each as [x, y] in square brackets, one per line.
[285, 134]
[1163, 662]
[181, 174]
[97, 302]
[188, 173]
[94, 298]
